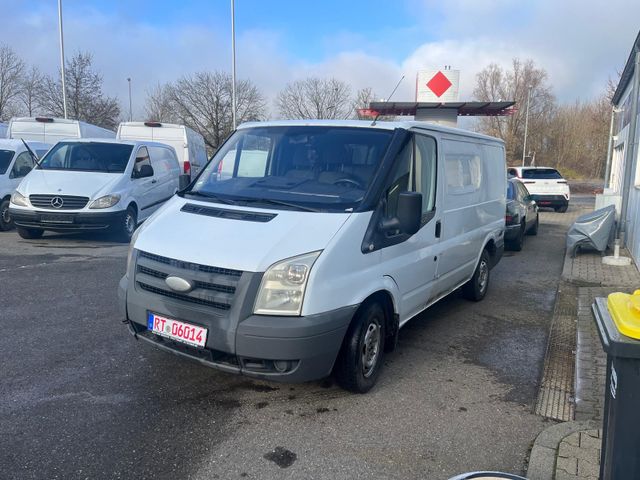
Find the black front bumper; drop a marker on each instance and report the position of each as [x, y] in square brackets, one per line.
[66, 221]
[550, 200]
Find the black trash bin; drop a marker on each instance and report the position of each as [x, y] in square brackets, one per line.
[620, 458]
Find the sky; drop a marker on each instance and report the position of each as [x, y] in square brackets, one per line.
[367, 43]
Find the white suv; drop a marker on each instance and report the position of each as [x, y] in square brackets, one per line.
[547, 187]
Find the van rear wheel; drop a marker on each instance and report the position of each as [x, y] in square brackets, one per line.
[5, 219]
[30, 233]
[476, 288]
[360, 359]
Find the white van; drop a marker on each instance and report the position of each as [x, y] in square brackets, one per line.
[189, 145]
[313, 255]
[15, 163]
[50, 130]
[95, 184]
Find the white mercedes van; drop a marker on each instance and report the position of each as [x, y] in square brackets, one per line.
[316, 242]
[95, 184]
[16, 161]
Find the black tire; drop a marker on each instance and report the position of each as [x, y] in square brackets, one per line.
[476, 288]
[562, 209]
[5, 219]
[124, 231]
[30, 233]
[518, 242]
[534, 228]
[360, 359]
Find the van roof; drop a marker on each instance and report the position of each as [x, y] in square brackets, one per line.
[115, 140]
[15, 144]
[383, 125]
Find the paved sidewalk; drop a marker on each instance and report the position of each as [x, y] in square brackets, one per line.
[571, 450]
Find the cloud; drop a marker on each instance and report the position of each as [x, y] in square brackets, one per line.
[579, 43]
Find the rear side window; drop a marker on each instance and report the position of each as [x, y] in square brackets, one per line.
[510, 191]
[5, 160]
[164, 159]
[541, 174]
[463, 167]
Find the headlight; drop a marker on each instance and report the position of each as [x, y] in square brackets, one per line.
[105, 202]
[18, 199]
[283, 285]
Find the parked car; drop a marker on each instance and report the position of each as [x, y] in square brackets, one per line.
[522, 215]
[547, 187]
[15, 163]
[95, 184]
[313, 256]
[189, 145]
[50, 130]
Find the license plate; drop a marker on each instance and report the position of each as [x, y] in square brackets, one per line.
[56, 219]
[176, 330]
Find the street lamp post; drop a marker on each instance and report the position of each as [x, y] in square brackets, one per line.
[130, 109]
[64, 90]
[526, 126]
[233, 64]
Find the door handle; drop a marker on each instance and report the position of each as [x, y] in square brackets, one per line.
[438, 229]
[154, 181]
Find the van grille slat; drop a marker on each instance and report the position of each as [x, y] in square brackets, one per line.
[69, 202]
[212, 286]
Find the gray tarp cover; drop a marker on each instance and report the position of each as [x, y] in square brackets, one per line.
[594, 230]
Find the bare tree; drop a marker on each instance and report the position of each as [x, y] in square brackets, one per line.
[496, 84]
[85, 99]
[315, 98]
[159, 105]
[11, 71]
[203, 102]
[31, 90]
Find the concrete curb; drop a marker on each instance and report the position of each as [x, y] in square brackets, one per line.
[542, 460]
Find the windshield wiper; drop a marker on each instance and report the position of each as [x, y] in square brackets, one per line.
[280, 203]
[212, 196]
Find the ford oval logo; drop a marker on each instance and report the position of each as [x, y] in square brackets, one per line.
[178, 284]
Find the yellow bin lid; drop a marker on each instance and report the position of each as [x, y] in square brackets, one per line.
[625, 311]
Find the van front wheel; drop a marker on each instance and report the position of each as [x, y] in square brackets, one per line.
[5, 219]
[30, 233]
[476, 288]
[360, 358]
[127, 226]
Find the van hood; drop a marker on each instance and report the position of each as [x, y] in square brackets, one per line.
[84, 184]
[235, 243]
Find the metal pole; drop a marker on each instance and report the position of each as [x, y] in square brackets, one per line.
[130, 109]
[607, 171]
[64, 89]
[526, 126]
[233, 63]
[630, 152]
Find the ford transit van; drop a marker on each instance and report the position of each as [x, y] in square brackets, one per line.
[95, 184]
[16, 161]
[311, 243]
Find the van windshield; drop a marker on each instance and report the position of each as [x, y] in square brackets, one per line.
[87, 157]
[5, 160]
[299, 167]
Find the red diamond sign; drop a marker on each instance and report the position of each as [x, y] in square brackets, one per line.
[439, 84]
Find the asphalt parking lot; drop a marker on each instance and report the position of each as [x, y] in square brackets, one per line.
[80, 398]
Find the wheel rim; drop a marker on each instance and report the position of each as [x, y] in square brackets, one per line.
[6, 218]
[129, 224]
[370, 349]
[483, 275]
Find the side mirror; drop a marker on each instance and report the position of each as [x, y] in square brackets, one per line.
[410, 211]
[144, 172]
[183, 181]
[409, 215]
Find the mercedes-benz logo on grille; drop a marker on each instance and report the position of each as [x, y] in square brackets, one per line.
[57, 202]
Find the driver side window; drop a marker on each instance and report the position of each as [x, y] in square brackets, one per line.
[415, 171]
[22, 165]
[142, 158]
